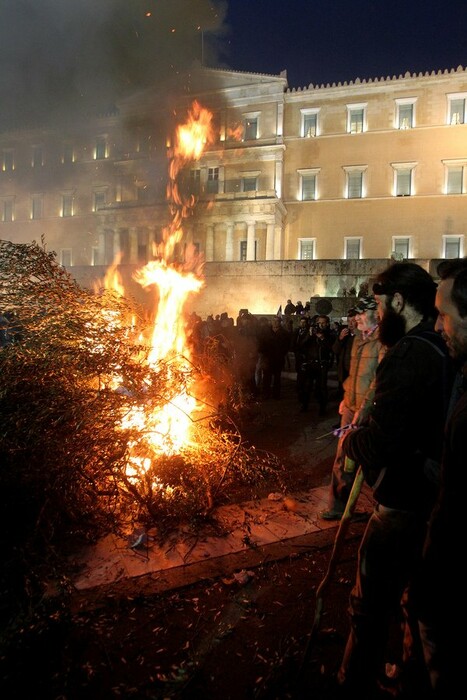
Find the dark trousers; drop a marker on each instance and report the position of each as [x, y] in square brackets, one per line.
[387, 557]
[312, 378]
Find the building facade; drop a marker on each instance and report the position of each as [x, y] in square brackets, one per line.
[370, 169]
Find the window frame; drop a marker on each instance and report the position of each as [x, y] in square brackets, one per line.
[352, 109]
[67, 205]
[64, 252]
[37, 206]
[98, 193]
[402, 102]
[8, 160]
[456, 97]
[350, 171]
[309, 112]
[348, 240]
[304, 173]
[215, 171]
[408, 250]
[302, 243]
[407, 168]
[8, 209]
[251, 117]
[451, 165]
[460, 248]
[101, 148]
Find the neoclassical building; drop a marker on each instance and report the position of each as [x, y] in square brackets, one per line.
[365, 170]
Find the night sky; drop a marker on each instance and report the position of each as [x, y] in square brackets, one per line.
[64, 56]
[321, 41]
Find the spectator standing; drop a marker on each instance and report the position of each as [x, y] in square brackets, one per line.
[289, 308]
[367, 352]
[401, 438]
[274, 344]
[440, 589]
[314, 355]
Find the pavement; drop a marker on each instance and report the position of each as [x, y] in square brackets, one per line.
[245, 535]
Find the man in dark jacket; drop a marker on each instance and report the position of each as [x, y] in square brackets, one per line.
[398, 449]
[440, 589]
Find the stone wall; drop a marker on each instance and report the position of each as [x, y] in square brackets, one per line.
[262, 287]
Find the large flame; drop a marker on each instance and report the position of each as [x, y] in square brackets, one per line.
[169, 430]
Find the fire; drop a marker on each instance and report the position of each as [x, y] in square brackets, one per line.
[169, 430]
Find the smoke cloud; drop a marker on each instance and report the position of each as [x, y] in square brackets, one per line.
[60, 58]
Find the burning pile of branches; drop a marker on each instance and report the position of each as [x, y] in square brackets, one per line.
[75, 461]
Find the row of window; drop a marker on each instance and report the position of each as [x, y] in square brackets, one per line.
[8, 163]
[455, 180]
[404, 115]
[402, 247]
[65, 206]
[249, 128]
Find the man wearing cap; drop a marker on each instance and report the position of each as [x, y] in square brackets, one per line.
[398, 447]
[367, 351]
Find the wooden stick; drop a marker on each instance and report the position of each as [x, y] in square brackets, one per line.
[338, 542]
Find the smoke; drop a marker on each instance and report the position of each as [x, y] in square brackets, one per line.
[60, 58]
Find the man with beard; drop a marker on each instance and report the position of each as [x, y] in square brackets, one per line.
[439, 593]
[399, 448]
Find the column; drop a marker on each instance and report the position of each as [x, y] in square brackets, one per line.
[250, 241]
[209, 245]
[229, 236]
[116, 245]
[101, 246]
[279, 167]
[270, 242]
[277, 242]
[133, 245]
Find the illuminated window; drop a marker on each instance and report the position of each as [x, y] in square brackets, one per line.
[249, 184]
[309, 122]
[7, 209]
[250, 126]
[67, 205]
[306, 249]
[95, 255]
[65, 257]
[455, 171]
[37, 159]
[400, 247]
[195, 181]
[99, 200]
[67, 154]
[353, 248]
[8, 160]
[455, 178]
[403, 182]
[308, 185]
[36, 206]
[356, 118]
[456, 108]
[403, 179]
[452, 246]
[101, 148]
[354, 181]
[405, 113]
[213, 181]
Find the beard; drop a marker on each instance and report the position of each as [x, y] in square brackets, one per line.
[391, 327]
